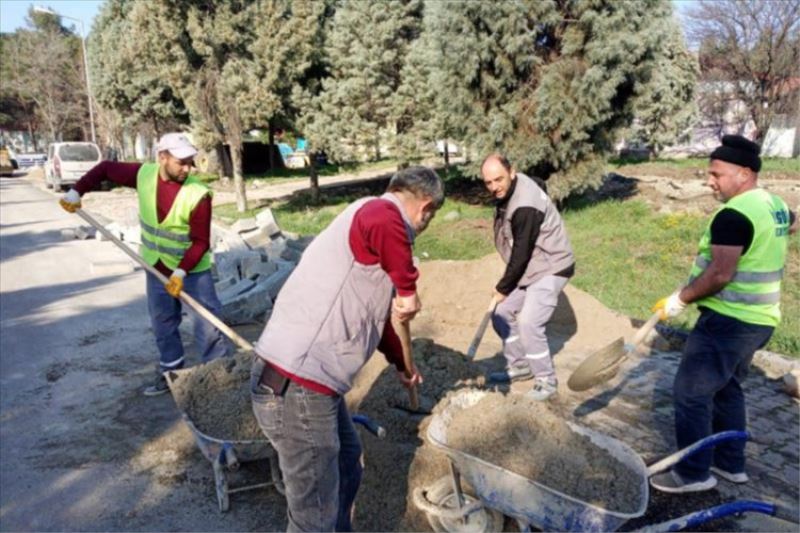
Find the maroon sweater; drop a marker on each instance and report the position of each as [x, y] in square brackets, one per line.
[166, 191]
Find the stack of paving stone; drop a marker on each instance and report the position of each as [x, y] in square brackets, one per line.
[252, 261]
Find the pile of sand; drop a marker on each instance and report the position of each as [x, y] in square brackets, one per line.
[528, 438]
[216, 397]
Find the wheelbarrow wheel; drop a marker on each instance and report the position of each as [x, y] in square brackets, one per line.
[441, 494]
[221, 484]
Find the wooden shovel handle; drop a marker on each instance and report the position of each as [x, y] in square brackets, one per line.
[642, 333]
[403, 331]
[191, 302]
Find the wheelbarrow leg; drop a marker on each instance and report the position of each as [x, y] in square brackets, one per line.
[221, 482]
[457, 485]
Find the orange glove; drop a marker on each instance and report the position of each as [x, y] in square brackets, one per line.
[71, 201]
[174, 285]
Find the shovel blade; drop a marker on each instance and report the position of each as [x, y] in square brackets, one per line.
[599, 367]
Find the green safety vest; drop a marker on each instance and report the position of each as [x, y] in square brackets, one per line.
[754, 293]
[169, 239]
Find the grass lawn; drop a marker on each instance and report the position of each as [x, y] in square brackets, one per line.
[627, 256]
[770, 166]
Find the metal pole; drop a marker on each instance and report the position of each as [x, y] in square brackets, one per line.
[88, 80]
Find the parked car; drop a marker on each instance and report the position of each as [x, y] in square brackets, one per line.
[67, 162]
[8, 164]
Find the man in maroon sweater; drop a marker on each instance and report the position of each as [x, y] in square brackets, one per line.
[330, 316]
[175, 218]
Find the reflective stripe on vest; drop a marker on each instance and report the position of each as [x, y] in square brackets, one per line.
[753, 294]
[164, 233]
[167, 240]
[746, 277]
[177, 252]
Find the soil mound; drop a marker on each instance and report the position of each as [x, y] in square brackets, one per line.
[526, 437]
[216, 397]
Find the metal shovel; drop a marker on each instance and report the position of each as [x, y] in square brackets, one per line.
[188, 300]
[604, 364]
[476, 340]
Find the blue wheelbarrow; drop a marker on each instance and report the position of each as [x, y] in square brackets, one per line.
[228, 454]
[499, 492]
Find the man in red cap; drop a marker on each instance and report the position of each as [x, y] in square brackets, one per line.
[736, 283]
[175, 220]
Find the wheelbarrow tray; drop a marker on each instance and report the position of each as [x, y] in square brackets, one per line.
[525, 499]
[227, 453]
[210, 446]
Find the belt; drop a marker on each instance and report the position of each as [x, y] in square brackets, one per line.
[273, 380]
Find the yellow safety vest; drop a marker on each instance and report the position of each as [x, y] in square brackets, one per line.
[754, 293]
[169, 239]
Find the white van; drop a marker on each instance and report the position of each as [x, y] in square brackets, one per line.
[67, 162]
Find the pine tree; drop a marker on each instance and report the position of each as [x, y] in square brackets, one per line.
[366, 47]
[665, 107]
[130, 93]
[550, 84]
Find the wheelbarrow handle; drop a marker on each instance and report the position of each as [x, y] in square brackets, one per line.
[185, 297]
[372, 426]
[712, 440]
[720, 511]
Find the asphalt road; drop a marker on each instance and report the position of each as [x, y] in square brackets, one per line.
[81, 448]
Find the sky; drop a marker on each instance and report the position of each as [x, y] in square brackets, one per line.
[13, 12]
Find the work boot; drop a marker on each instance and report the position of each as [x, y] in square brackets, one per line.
[673, 483]
[542, 389]
[158, 387]
[511, 374]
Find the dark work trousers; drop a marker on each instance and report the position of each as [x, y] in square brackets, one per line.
[707, 392]
[318, 451]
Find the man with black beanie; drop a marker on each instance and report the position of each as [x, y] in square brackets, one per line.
[736, 283]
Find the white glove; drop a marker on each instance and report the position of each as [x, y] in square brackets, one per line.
[71, 201]
[670, 307]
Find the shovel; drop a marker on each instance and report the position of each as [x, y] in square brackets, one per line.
[404, 333]
[604, 364]
[187, 299]
[476, 340]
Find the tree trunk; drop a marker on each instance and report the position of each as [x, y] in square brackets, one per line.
[33, 137]
[312, 171]
[446, 158]
[225, 165]
[271, 144]
[238, 178]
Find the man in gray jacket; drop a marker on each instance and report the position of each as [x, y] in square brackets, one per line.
[330, 316]
[531, 238]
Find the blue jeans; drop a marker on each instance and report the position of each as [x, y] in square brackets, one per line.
[707, 393]
[165, 318]
[318, 451]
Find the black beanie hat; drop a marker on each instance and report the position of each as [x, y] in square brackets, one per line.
[739, 151]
